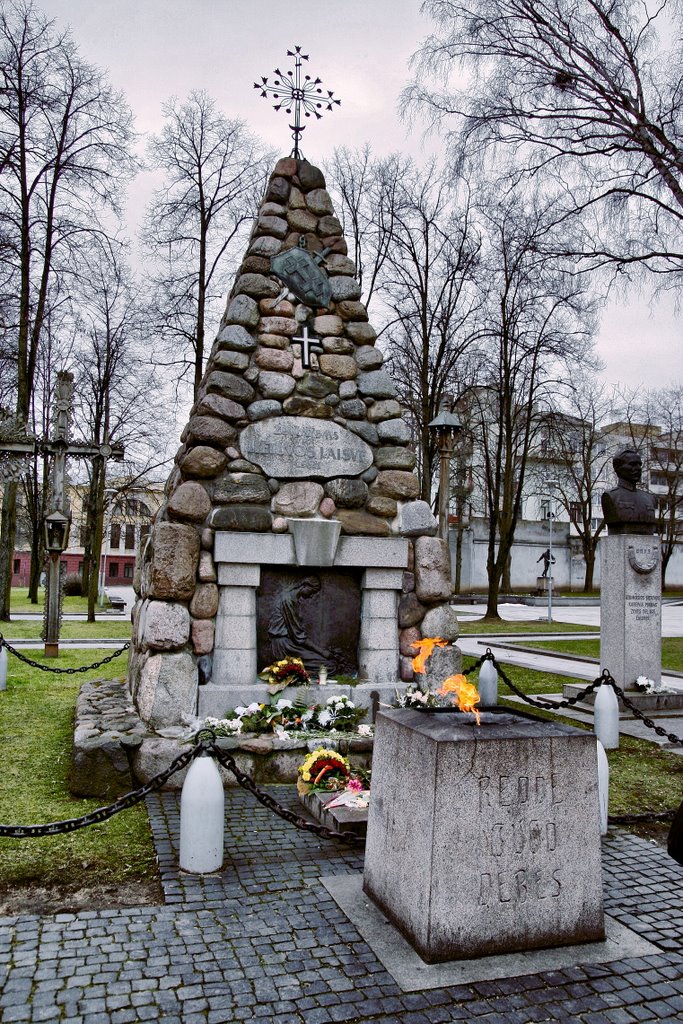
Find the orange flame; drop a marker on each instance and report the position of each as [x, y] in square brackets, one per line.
[466, 693]
[425, 647]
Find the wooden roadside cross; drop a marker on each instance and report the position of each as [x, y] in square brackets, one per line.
[16, 450]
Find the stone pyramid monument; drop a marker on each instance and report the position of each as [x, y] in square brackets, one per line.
[291, 522]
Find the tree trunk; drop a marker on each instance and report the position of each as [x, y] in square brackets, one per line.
[97, 491]
[8, 524]
[590, 568]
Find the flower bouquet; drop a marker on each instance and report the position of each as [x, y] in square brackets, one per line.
[286, 672]
[323, 771]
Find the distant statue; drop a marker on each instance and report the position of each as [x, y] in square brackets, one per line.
[547, 560]
[626, 508]
[286, 630]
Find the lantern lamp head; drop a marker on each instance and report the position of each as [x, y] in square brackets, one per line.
[56, 532]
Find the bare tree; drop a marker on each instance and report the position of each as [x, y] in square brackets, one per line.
[538, 320]
[214, 172]
[427, 290]
[577, 457]
[120, 397]
[365, 193]
[65, 138]
[584, 96]
[666, 468]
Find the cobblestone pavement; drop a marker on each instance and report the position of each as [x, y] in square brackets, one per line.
[264, 941]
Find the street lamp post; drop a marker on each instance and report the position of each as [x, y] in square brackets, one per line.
[551, 485]
[446, 426]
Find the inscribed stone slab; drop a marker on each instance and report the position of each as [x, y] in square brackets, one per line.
[293, 447]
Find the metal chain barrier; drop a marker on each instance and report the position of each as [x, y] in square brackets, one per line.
[604, 677]
[56, 828]
[62, 671]
[205, 741]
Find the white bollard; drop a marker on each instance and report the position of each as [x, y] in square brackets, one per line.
[3, 667]
[603, 787]
[606, 717]
[202, 818]
[488, 684]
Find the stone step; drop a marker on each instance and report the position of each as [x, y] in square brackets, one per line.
[341, 819]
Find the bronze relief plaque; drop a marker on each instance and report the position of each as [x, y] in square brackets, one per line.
[314, 616]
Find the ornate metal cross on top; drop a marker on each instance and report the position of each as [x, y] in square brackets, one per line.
[292, 92]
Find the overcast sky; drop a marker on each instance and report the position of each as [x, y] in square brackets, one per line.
[154, 49]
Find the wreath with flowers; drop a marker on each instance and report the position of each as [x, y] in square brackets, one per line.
[323, 771]
[286, 672]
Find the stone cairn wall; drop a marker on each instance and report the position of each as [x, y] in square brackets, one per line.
[254, 373]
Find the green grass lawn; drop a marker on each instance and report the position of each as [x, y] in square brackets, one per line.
[25, 629]
[20, 604]
[672, 649]
[36, 733]
[541, 626]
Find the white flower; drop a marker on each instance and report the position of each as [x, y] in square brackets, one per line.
[234, 724]
[280, 733]
[241, 710]
[252, 708]
[324, 718]
[282, 704]
[365, 730]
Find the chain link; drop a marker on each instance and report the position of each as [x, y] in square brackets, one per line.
[62, 671]
[56, 828]
[605, 677]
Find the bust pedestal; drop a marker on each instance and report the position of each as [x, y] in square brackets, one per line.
[631, 608]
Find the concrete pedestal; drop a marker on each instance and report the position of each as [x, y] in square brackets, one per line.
[484, 839]
[631, 608]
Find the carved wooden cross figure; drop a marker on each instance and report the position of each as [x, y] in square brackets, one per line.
[14, 453]
[307, 345]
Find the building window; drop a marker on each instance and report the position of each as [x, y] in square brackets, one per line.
[17, 565]
[128, 571]
[115, 535]
[574, 511]
[80, 566]
[130, 537]
[113, 570]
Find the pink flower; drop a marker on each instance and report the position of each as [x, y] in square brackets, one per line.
[355, 786]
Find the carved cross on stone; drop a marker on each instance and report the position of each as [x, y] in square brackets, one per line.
[307, 345]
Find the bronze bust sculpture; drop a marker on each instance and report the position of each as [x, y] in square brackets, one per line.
[625, 508]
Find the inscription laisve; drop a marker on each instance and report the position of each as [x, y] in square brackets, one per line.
[299, 447]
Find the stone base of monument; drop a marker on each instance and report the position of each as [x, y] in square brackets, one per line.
[484, 839]
[643, 701]
[114, 751]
